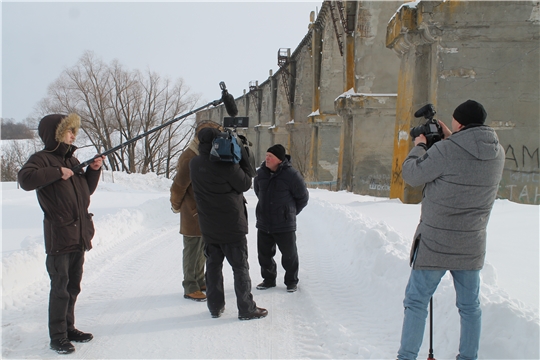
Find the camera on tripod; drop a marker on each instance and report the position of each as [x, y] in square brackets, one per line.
[431, 129]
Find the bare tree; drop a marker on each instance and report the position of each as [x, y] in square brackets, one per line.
[162, 102]
[117, 105]
[128, 94]
[15, 153]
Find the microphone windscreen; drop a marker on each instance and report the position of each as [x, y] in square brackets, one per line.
[230, 104]
[422, 111]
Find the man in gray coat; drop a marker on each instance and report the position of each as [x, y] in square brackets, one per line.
[461, 175]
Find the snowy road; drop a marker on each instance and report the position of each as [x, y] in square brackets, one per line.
[353, 272]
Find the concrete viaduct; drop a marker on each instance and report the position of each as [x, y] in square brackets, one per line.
[342, 102]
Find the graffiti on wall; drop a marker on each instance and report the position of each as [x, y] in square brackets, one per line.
[527, 158]
[522, 177]
[396, 174]
[379, 182]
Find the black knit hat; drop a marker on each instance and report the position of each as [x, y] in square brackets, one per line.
[278, 150]
[207, 135]
[470, 112]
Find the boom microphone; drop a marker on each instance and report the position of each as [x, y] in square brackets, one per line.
[228, 100]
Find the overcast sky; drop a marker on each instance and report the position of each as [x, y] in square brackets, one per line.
[202, 42]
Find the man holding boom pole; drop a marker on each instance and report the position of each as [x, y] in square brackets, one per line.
[64, 197]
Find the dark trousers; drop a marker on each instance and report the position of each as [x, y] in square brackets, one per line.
[65, 272]
[266, 248]
[193, 264]
[237, 256]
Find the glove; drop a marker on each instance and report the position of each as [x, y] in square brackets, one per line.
[174, 210]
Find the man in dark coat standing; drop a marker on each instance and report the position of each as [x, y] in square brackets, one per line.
[64, 197]
[219, 188]
[282, 195]
[461, 176]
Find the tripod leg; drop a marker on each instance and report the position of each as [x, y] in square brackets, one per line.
[430, 356]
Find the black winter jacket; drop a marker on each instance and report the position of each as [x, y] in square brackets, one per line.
[282, 195]
[67, 225]
[221, 206]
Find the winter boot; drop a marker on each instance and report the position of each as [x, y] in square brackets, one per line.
[266, 285]
[62, 346]
[196, 296]
[257, 314]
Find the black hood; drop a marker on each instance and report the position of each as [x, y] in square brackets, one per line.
[52, 129]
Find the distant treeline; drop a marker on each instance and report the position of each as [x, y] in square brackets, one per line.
[12, 130]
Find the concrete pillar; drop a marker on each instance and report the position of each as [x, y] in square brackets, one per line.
[350, 16]
[345, 165]
[273, 103]
[316, 56]
[414, 45]
[367, 139]
[316, 48]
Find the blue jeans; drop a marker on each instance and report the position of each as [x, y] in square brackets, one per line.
[422, 284]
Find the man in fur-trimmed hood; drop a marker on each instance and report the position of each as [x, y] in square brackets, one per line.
[64, 197]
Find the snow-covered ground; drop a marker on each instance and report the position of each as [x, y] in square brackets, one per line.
[353, 271]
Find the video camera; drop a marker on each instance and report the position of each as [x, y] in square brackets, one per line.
[431, 129]
[230, 146]
[235, 122]
[227, 145]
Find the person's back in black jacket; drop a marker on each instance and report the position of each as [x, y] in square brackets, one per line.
[218, 188]
[219, 193]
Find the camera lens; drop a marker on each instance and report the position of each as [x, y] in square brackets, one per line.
[418, 130]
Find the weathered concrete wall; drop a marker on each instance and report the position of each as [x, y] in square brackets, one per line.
[318, 72]
[331, 69]
[346, 117]
[299, 128]
[368, 113]
[376, 68]
[487, 51]
[365, 126]
[369, 134]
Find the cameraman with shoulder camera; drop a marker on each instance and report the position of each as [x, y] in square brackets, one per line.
[221, 207]
[461, 176]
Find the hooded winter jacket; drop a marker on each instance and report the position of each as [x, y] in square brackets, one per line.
[182, 197]
[282, 195]
[461, 176]
[67, 225]
[219, 188]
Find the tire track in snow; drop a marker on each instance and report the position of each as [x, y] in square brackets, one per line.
[121, 293]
